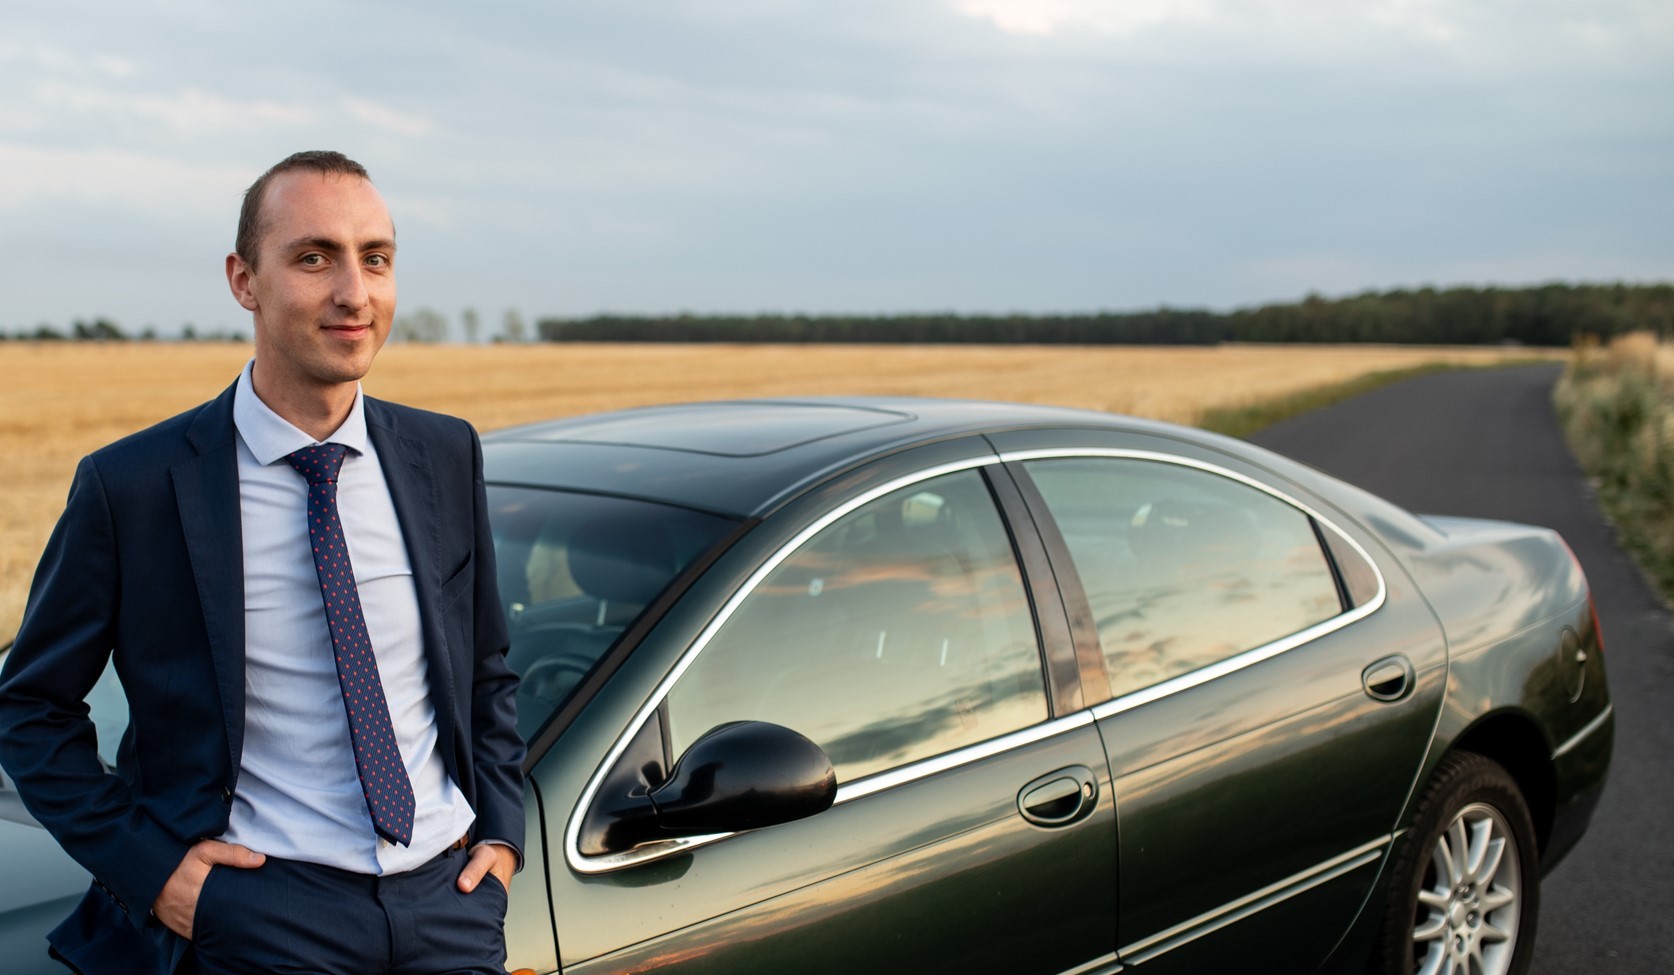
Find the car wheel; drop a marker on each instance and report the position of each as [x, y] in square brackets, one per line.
[1465, 894]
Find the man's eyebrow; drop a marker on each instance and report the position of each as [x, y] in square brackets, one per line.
[336, 246]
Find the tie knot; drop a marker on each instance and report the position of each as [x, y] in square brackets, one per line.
[319, 463]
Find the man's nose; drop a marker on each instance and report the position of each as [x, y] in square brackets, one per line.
[350, 289]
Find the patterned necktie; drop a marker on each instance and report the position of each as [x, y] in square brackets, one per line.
[383, 777]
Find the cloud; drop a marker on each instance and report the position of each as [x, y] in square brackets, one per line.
[107, 176]
[114, 66]
[1267, 21]
[1426, 18]
[388, 119]
[1105, 16]
[188, 111]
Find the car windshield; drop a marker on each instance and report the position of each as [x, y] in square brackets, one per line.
[575, 571]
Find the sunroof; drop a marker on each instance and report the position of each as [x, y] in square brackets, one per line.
[728, 429]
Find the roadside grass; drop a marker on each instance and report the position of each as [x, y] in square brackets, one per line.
[1616, 403]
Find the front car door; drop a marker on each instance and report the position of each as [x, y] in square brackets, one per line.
[886, 618]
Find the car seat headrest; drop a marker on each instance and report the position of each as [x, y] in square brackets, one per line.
[620, 563]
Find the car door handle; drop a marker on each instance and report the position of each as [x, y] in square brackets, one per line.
[1059, 798]
[1389, 679]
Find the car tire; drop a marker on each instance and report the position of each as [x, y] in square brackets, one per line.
[1465, 893]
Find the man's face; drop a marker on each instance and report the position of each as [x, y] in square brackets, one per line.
[323, 290]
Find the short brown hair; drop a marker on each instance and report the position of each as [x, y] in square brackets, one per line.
[250, 216]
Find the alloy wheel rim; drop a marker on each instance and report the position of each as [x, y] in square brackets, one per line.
[1470, 899]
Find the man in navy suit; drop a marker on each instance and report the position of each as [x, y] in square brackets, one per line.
[296, 582]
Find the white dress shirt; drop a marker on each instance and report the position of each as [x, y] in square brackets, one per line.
[299, 795]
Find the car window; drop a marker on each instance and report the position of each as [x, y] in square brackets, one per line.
[899, 632]
[1360, 580]
[1183, 567]
[574, 571]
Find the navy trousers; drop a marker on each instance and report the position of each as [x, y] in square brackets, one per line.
[290, 918]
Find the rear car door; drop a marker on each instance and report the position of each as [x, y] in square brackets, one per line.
[888, 620]
[1273, 691]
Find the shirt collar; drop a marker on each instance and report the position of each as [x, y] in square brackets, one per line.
[270, 436]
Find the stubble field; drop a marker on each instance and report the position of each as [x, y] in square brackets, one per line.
[62, 400]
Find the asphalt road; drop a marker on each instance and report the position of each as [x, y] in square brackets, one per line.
[1486, 444]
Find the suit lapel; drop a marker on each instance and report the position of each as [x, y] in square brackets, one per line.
[206, 491]
[412, 487]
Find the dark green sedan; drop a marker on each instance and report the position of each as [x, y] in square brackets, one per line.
[1083, 693]
[876, 685]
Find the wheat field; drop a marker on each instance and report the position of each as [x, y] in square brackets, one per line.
[62, 400]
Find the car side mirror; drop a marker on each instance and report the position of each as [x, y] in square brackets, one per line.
[737, 776]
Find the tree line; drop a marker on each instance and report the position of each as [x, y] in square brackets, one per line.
[423, 325]
[103, 330]
[1548, 315]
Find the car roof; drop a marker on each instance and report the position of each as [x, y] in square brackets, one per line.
[742, 457]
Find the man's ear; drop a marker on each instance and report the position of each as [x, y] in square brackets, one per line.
[238, 279]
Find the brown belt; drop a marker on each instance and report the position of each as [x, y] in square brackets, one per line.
[461, 843]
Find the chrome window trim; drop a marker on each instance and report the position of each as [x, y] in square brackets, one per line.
[1211, 921]
[963, 756]
[1580, 736]
[1254, 655]
[857, 789]
[885, 780]
[1102, 965]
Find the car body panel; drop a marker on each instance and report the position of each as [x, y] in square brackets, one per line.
[1528, 669]
[735, 429]
[1487, 579]
[1314, 784]
[930, 862]
[1579, 776]
[531, 937]
[44, 885]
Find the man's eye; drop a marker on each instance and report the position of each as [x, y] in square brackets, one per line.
[313, 260]
[377, 260]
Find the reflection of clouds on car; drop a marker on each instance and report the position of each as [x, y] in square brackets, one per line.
[910, 604]
[1184, 567]
[941, 722]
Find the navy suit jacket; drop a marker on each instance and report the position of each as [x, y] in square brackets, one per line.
[146, 565]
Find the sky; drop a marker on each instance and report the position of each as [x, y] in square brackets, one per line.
[860, 156]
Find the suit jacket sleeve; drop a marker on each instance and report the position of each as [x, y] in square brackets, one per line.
[47, 744]
[497, 748]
